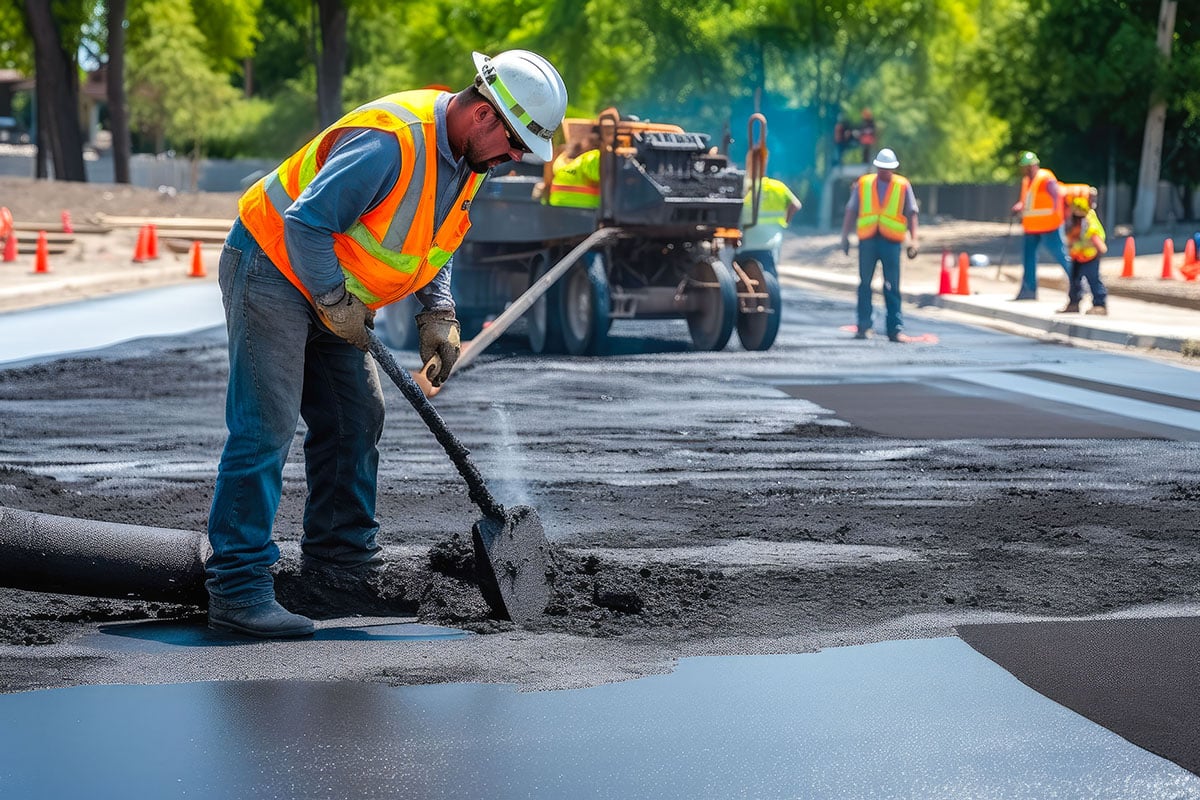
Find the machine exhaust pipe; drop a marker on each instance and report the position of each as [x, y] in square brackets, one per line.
[47, 553]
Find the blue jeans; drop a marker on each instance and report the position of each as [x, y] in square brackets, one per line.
[1091, 271]
[1053, 243]
[872, 250]
[284, 365]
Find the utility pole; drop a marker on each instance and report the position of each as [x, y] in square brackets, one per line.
[1147, 189]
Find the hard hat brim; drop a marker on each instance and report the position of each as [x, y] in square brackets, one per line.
[885, 163]
[541, 149]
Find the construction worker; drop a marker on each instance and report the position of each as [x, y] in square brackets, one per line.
[865, 133]
[883, 208]
[368, 212]
[576, 181]
[1085, 242]
[1040, 208]
[776, 207]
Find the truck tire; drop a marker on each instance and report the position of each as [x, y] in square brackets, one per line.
[396, 325]
[757, 329]
[544, 317]
[711, 323]
[584, 307]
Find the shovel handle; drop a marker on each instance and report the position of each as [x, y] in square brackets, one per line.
[421, 376]
[459, 454]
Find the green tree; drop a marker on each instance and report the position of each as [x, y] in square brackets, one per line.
[1075, 82]
[56, 30]
[175, 92]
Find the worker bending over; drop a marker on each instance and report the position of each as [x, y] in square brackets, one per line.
[368, 212]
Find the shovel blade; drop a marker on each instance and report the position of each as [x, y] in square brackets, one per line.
[511, 562]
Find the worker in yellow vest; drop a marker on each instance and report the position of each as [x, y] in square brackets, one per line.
[883, 209]
[1040, 207]
[776, 207]
[576, 183]
[368, 212]
[1085, 243]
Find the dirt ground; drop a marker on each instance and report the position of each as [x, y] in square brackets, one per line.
[44, 201]
[671, 525]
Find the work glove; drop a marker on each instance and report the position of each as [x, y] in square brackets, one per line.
[845, 245]
[345, 315]
[912, 251]
[439, 334]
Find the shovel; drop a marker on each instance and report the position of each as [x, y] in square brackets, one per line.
[511, 551]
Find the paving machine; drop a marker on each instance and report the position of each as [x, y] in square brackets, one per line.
[664, 235]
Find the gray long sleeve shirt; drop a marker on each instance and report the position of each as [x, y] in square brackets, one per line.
[359, 172]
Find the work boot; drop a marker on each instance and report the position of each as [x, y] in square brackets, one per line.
[861, 333]
[1069, 308]
[1025, 296]
[1100, 311]
[895, 337]
[265, 620]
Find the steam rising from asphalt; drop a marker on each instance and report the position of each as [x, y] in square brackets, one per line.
[513, 465]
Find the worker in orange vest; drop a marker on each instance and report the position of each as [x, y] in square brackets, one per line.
[884, 210]
[368, 212]
[1040, 207]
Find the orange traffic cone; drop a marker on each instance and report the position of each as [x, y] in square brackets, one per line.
[41, 262]
[1127, 269]
[6, 222]
[944, 285]
[197, 263]
[139, 251]
[10, 247]
[151, 242]
[1191, 267]
[964, 276]
[66, 222]
[1168, 256]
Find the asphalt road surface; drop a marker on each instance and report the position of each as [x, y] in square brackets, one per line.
[828, 492]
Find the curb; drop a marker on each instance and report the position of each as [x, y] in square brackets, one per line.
[1074, 330]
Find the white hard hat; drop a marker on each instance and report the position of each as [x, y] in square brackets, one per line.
[528, 90]
[886, 159]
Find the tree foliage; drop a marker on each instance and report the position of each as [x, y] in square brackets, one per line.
[957, 86]
[176, 92]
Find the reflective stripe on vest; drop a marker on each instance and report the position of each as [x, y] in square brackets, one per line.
[391, 250]
[889, 219]
[576, 184]
[1041, 213]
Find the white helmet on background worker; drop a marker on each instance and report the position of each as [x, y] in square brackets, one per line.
[528, 91]
[886, 159]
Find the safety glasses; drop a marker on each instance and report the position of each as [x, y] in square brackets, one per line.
[514, 141]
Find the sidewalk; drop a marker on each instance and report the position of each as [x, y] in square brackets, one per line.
[1144, 312]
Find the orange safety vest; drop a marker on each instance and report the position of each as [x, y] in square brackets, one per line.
[1041, 213]
[888, 218]
[393, 249]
